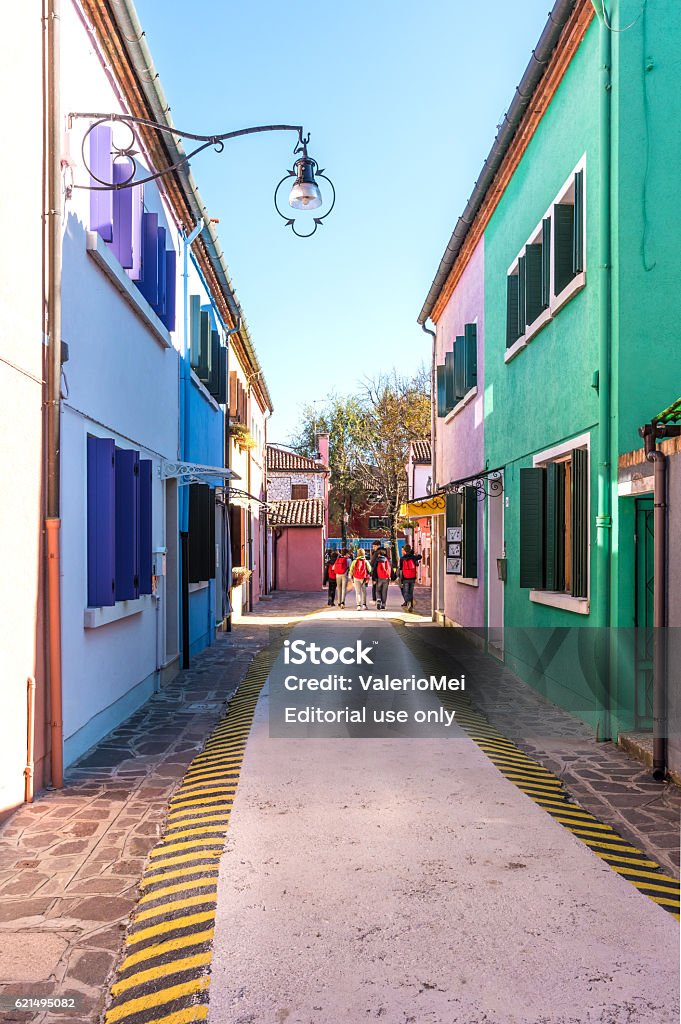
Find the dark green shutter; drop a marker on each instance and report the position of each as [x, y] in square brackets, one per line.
[563, 227]
[512, 332]
[471, 371]
[470, 532]
[459, 368]
[450, 395]
[532, 527]
[440, 389]
[204, 347]
[580, 522]
[194, 331]
[222, 377]
[214, 370]
[546, 262]
[201, 533]
[533, 282]
[522, 295]
[555, 526]
[454, 515]
[578, 227]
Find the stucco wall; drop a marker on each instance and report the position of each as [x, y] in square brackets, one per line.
[21, 371]
[459, 444]
[300, 559]
[279, 485]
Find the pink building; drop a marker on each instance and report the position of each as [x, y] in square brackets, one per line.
[297, 515]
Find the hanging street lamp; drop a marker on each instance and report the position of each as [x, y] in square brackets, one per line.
[305, 194]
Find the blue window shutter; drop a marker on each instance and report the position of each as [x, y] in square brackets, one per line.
[101, 162]
[127, 524]
[160, 304]
[471, 356]
[101, 532]
[145, 556]
[122, 215]
[148, 282]
[194, 331]
[459, 368]
[137, 220]
[171, 284]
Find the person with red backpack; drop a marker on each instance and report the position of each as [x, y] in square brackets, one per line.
[383, 573]
[341, 567]
[408, 566]
[360, 573]
[330, 575]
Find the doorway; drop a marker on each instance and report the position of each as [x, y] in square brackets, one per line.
[496, 566]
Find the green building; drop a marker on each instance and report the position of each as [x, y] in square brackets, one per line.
[579, 214]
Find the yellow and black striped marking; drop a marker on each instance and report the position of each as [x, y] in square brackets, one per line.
[547, 790]
[165, 972]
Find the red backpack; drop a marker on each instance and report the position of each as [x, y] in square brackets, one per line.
[409, 568]
[341, 565]
[383, 569]
[331, 570]
[360, 570]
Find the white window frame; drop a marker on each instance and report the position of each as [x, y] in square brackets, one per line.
[578, 282]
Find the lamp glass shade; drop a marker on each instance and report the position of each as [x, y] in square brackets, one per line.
[305, 195]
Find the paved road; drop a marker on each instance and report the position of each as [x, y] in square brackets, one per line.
[407, 880]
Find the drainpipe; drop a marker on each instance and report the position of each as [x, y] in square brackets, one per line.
[604, 497]
[651, 433]
[30, 740]
[433, 519]
[53, 394]
[184, 446]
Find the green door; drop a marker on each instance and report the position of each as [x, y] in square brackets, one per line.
[643, 613]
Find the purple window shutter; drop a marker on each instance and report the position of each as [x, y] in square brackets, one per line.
[127, 524]
[148, 282]
[160, 305]
[101, 532]
[145, 526]
[171, 283]
[137, 213]
[101, 162]
[122, 215]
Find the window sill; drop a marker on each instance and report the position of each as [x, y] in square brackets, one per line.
[203, 390]
[554, 599]
[576, 284]
[468, 397]
[193, 587]
[93, 618]
[107, 262]
[468, 581]
[532, 331]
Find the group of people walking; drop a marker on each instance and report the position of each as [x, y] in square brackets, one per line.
[342, 567]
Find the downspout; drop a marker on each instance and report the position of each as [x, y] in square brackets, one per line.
[434, 562]
[53, 394]
[185, 392]
[228, 508]
[604, 497]
[250, 513]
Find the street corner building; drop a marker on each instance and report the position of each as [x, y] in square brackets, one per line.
[297, 516]
[134, 405]
[556, 308]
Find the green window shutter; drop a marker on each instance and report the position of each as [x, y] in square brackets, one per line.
[459, 368]
[533, 282]
[522, 295]
[194, 330]
[578, 226]
[563, 227]
[545, 263]
[471, 361]
[580, 522]
[214, 370]
[453, 511]
[512, 332]
[532, 528]
[204, 347]
[450, 396]
[555, 526]
[440, 388]
[470, 532]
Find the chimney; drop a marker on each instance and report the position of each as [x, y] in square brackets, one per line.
[323, 448]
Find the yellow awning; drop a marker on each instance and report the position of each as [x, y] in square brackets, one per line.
[432, 505]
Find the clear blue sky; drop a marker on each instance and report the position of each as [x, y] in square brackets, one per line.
[402, 101]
